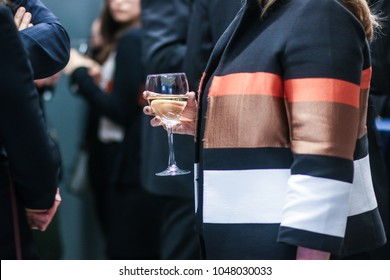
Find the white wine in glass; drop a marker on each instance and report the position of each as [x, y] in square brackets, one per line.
[167, 96]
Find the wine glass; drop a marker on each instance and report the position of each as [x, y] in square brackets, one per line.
[167, 96]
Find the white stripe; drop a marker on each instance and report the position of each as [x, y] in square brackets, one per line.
[244, 196]
[317, 204]
[362, 196]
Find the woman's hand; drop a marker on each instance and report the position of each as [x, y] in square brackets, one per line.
[187, 122]
[40, 219]
[77, 60]
[311, 254]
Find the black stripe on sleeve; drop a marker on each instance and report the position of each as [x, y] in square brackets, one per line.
[247, 158]
[323, 167]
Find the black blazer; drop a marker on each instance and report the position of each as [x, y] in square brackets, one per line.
[179, 36]
[27, 153]
[121, 105]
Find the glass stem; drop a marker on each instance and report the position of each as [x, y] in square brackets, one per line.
[171, 159]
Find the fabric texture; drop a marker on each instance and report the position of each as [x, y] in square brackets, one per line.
[282, 149]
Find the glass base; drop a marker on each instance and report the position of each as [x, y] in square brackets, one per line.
[173, 170]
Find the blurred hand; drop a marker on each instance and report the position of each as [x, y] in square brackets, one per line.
[49, 81]
[187, 122]
[95, 72]
[22, 19]
[77, 60]
[40, 219]
[311, 254]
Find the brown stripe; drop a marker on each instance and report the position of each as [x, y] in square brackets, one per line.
[246, 121]
[258, 83]
[324, 129]
[366, 78]
[363, 112]
[322, 89]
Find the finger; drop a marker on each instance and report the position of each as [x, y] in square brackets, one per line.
[191, 101]
[145, 95]
[155, 122]
[58, 195]
[26, 20]
[51, 212]
[148, 111]
[19, 16]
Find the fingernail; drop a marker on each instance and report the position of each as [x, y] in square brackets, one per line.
[21, 10]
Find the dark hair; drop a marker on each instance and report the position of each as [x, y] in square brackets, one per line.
[110, 31]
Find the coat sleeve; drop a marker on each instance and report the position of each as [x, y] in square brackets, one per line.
[47, 43]
[326, 110]
[33, 160]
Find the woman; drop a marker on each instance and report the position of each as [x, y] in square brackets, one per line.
[29, 164]
[128, 214]
[282, 165]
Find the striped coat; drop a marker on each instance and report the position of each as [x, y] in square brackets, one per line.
[282, 155]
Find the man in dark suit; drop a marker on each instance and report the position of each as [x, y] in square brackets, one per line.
[178, 37]
[28, 161]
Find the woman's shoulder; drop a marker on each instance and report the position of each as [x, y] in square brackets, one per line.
[323, 12]
[318, 6]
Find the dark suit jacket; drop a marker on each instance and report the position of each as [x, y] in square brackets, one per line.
[26, 154]
[205, 28]
[179, 37]
[47, 42]
[165, 26]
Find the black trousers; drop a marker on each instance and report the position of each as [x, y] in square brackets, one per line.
[179, 239]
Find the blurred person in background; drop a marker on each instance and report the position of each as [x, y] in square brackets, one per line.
[111, 85]
[379, 106]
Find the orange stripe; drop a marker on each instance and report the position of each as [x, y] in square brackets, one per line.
[366, 78]
[259, 83]
[322, 89]
[201, 81]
